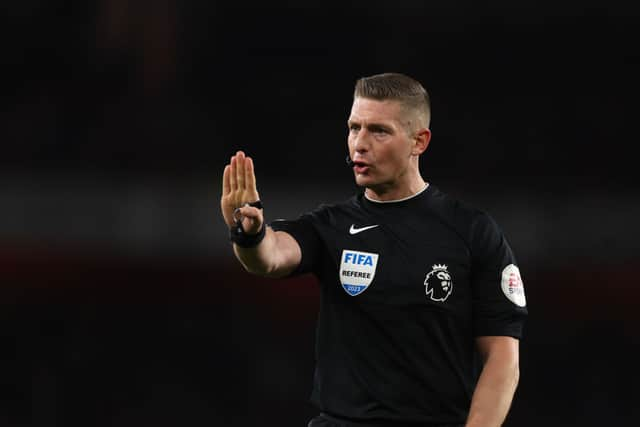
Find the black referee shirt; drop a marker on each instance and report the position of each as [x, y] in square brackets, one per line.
[406, 286]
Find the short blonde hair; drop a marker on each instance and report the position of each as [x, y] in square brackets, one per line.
[398, 87]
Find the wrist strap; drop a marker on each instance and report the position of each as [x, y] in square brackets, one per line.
[237, 234]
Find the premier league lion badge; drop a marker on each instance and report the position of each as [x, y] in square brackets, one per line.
[438, 283]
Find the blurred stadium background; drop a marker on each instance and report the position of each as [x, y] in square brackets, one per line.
[121, 304]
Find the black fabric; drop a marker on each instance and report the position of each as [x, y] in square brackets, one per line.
[326, 420]
[402, 347]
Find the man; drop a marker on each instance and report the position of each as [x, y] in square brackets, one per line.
[414, 284]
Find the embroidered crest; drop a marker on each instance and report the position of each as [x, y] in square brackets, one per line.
[438, 283]
[357, 270]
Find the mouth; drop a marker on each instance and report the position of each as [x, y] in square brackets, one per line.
[360, 167]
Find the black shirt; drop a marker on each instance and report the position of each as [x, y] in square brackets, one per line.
[406, 286]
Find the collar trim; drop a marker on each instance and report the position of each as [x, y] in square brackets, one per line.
[397, 200]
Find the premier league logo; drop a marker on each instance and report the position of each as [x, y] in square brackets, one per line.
[438, 283]
[357, 270]
[512, 285]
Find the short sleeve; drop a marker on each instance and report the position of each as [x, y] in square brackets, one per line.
[499, 303]
[303, 231]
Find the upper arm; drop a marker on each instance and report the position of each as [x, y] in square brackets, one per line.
[299, 244]
[502, 348]
[289, 254]
[499, 305]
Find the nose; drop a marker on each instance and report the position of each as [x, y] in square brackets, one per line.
[361, 141]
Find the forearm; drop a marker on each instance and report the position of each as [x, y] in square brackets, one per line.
[269, 257]
[494, 392]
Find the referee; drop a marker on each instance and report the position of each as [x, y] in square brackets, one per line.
[422, 304]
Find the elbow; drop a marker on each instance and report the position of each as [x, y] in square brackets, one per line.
[258, 270]
[263, 271]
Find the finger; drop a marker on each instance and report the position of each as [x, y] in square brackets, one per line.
[240, 170]
[251, 225]
[250, 212]
[232, 174]
[226, 184]
[250, 177]
[252, 219]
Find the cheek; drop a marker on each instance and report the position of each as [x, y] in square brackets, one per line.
[393, 160]
[391, 154]
[350, 142]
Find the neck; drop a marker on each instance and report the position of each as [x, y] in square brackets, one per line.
[389, 193]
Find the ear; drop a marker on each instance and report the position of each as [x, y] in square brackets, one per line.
[421, 141]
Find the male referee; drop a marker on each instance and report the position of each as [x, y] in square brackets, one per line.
[414, 284]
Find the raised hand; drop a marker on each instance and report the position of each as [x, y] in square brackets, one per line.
[239, 188]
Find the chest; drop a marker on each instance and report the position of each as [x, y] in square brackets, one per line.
[403, 263]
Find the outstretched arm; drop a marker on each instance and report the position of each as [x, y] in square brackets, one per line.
[497, 384]
[278, 254]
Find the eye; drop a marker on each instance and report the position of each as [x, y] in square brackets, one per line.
[380, 131]
[354, 127]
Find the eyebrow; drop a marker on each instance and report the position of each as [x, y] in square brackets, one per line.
[371, 126]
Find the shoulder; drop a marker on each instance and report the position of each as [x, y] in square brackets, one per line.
[477, 226]
[459, 214]
[330, 212]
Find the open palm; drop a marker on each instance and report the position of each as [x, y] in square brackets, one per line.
[238, 189]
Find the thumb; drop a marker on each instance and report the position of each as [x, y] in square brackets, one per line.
[252, 219]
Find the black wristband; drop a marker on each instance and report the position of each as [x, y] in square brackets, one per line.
[238, 236]
[244, 240]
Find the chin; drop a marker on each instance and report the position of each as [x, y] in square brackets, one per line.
[364, 181]
[360, 180]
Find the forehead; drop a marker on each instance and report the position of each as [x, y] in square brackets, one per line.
[372, 110]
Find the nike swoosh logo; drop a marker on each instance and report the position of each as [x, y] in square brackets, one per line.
[354, 230]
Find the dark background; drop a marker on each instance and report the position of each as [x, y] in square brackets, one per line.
[120, 302]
